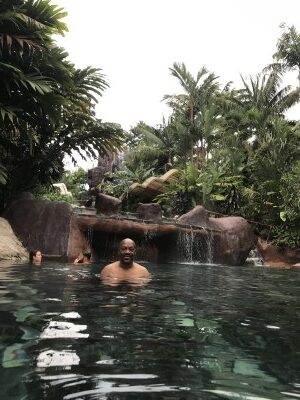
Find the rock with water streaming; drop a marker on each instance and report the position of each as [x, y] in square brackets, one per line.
[233, 237]
[58, 229]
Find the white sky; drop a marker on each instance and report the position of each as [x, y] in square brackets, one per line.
[136, 41]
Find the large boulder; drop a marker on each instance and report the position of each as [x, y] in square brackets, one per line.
[149, 212]
[107, 205]
[10, 247]
[235, 235]
[41, 224]
[198, 216]
[274, 256]
[236, 240]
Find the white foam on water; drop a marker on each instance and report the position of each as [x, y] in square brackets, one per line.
[52, 358]
[58, 329]
[71, 315]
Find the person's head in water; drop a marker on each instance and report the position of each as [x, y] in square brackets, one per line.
[86, 258]
[35, 256]
[83, 258]
[127, 252]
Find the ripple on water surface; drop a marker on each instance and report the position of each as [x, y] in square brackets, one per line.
[193, 332]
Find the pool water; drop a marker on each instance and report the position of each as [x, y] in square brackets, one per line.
[193, 332]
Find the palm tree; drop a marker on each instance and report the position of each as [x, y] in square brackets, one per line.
[25, 33]
[155, 145]
[264, 93]
[46, 104]
[288, 49]
[197, 93]
[26, 28]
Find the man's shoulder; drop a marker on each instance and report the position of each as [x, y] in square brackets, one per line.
[141, 268]
[111, 266]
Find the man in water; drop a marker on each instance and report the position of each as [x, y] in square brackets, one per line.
[125, 269]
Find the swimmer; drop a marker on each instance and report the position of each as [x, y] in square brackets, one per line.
[83, 258]
[125, 269]
[35, 257]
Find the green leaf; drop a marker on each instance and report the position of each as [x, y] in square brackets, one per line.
[218, 197]
[282, 215]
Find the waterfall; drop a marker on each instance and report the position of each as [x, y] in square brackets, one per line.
[90, 236]
[195, 247]
[146, 244]
[209, 244]
[254, 257]
[185, 246]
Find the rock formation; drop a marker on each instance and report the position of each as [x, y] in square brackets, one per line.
[236, 235]
[107, 205]
[278, 257]
[57, 229]
[150, 212]
[41, 224]
[10, 247]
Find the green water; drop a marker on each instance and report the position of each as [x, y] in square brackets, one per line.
[194, 332]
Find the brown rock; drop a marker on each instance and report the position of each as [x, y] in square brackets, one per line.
[10, 247]
[107, 205]
[277, 256]
[198, 216]
[150, 212]
[235, 238]
[41, 224]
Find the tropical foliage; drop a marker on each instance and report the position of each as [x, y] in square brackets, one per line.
[234, 149]
[250, 154]
[46, 104]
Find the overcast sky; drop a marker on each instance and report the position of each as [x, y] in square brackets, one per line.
[135, 42]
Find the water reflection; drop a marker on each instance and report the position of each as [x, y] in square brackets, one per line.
[193, 332]
[52, 358]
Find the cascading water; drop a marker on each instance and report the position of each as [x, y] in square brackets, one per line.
[209, 244]
[146, 243]
[254, 257]
[90, 236]
[163, 243]
[193, 247]
[185, 245]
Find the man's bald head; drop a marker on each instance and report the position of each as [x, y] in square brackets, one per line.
[127, 241]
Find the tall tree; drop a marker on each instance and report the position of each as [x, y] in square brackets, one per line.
[288, 49]
[46, 104]
[197, 94]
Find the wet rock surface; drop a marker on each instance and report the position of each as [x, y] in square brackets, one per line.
[151, 211]
[10, 247]
[278, 257]
[41, 224]
[56, 229]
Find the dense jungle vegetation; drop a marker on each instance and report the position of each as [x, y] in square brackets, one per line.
[234, 148]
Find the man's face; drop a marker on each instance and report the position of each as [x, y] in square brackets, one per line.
[127, 252]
